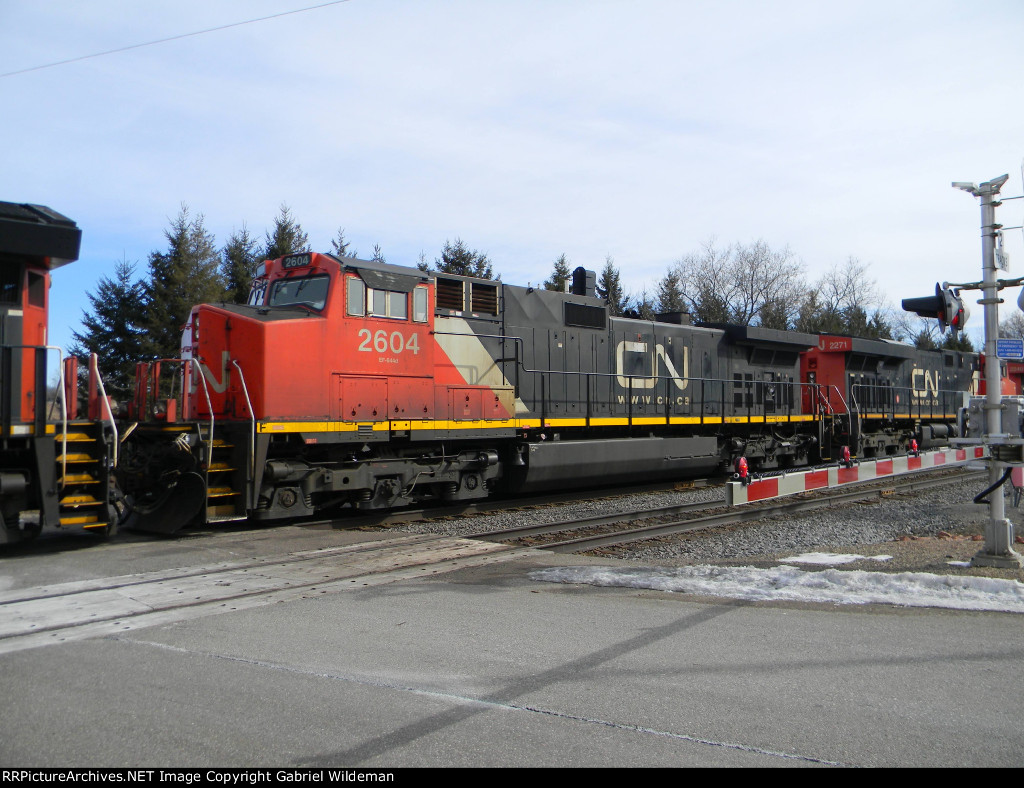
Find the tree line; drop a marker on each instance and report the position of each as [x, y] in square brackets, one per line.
[755, 284]
[135, 319]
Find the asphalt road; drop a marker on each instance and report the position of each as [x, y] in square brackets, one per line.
[471, 663]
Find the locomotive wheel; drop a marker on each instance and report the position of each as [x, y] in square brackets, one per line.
[171, 510]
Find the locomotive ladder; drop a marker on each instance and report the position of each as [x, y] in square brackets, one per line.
[84, 480]
[225, 482]
[229, 466]
[825, 409]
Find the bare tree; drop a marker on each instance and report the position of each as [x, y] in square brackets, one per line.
[765, 276]
[846, 300]
[1013, 326]
[735, 284]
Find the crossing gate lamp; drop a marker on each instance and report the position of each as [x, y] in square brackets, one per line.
[946, 305]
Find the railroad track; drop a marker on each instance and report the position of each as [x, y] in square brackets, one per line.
[580, 535]
[103, 607]
[496, 505]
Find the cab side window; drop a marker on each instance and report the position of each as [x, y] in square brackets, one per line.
[356, 296]
[388, 303]
[419, 305]
[363, 301]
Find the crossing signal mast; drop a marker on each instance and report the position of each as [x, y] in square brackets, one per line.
[996, 422]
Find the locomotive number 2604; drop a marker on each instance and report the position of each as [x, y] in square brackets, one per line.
[380, 342]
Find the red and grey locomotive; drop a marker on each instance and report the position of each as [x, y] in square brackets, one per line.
[352, 383]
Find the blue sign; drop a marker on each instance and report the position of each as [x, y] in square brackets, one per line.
[1010, 348]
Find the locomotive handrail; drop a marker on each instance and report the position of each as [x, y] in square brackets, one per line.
[939, 397]
[516, 341]
[823, 392]
[252, 418]
[822, 399]
[63, 413]
[209, 406]
[60, 385]
[94, 369]
[830, 388]
[722, 382]
[39, 423]
[206, 392]
[520, 364]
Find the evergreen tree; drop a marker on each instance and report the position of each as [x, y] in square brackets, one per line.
[711, 307]
[879, 328]
[957, 341]
[643, 307]
[924, 340]
[378, 255]
[459, 259]
[855, 321]
[240, 265]
[341, 247]
[609, 288]
[113, 329]
[287, 237]
[186, 274]
[774, 314]
[669, 295]
[560, 274]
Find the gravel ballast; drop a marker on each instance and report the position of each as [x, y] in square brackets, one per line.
[922, 531]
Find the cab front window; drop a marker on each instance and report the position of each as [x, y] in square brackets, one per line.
[310, 291]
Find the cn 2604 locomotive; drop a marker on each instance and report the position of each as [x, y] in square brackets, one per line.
[351, 383]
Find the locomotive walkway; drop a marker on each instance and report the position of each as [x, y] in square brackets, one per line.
[347, 648]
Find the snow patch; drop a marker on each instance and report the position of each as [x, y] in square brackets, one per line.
[833, 559]
[790, 584]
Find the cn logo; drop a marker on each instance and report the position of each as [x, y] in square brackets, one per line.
[657, 361]
[219, 386]
[924, 383]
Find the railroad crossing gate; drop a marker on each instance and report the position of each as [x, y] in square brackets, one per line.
[765, 487]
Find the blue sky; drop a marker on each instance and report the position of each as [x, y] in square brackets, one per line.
[637, 129]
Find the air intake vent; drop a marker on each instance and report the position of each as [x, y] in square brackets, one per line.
[484, 298]
[450, 294]
[585, 316]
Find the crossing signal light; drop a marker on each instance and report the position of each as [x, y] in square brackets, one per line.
[946, 306]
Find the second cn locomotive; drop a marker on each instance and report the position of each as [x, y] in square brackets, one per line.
[347, 382]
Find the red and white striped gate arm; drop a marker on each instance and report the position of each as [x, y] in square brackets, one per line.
[803, 481]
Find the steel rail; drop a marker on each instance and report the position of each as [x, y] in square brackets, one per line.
[733, 517]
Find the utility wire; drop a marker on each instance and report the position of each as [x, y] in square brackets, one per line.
[171, 38]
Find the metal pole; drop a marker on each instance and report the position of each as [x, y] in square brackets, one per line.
[998, 550]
